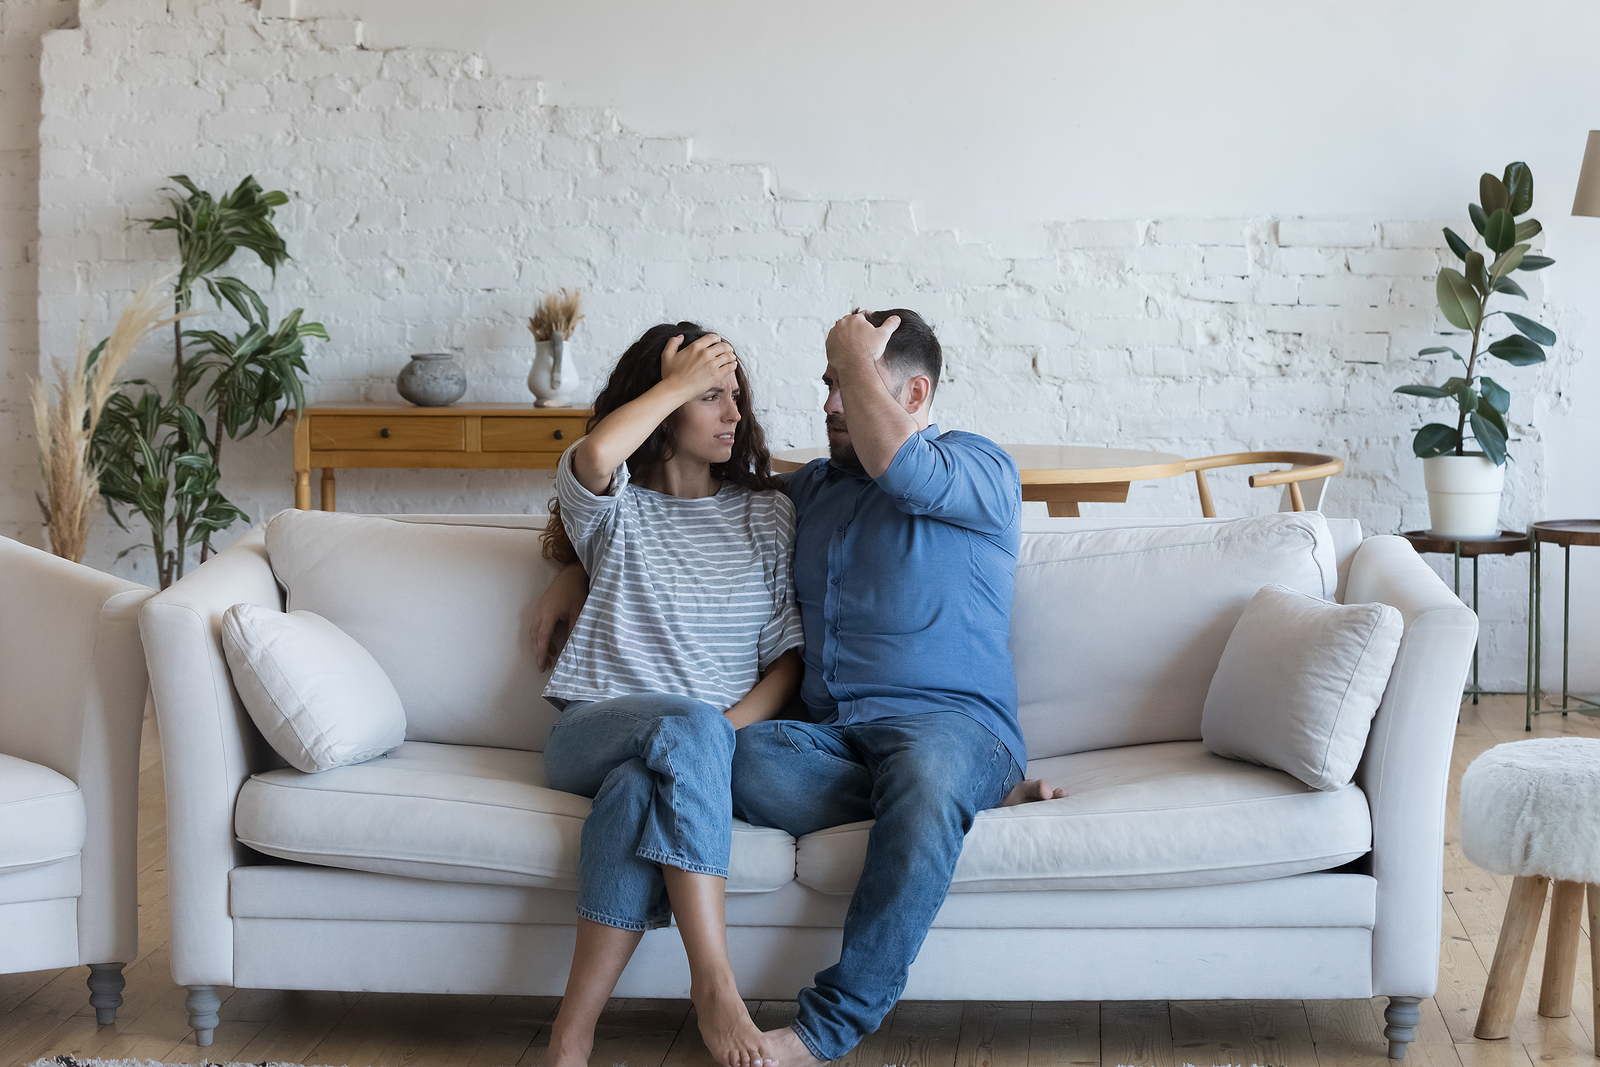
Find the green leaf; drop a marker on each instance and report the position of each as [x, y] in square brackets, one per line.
[1495, 394]
[1432, 391]
[1517, 351]
[1439, 350]
[1527, 231]
[1479, 219]
[1492, 193]
[1434, 439]
[1489, 438]
[1457, 300]
[1509, 260]
[1495, 419]
[1534, 331]
[1473, 270]
[1519, 188]
[1535, 262]
[1506, 285]
[1457, 245]
[1500, 232]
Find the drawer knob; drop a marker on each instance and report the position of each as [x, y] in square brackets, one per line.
[559, 435]
[384, 432]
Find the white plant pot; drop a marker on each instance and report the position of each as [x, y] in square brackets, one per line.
[556, 379]
[1464, 496]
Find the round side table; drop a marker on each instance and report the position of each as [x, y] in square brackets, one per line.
[1507, 543]
[1566, 533]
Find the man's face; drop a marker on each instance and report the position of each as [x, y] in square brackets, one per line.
[839, 447]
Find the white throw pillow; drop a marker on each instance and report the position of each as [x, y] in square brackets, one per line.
[1299, 683]
[316, 695]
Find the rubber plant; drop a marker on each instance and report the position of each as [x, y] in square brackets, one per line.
[159, 453]
[1464, 295]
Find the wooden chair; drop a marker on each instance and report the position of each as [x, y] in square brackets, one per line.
[1307, 466]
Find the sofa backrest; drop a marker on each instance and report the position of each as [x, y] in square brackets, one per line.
[1115, 633]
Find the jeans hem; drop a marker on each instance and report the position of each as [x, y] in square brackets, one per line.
[622, 924]
[811, 1043]
[679, 862]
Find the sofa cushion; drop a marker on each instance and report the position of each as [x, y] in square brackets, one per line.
[453, 813]
[1143, 817]
[1299, 683]
[1115, 634]
[445, 610]
[42, 817]
[316, 695]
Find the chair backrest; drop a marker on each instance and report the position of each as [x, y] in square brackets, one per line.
[1303, 481]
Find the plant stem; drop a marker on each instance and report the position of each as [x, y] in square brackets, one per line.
[1472, 359]
[216, 460]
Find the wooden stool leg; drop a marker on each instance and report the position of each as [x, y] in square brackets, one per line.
[1561, 950]
[1594, 954]
[328, 489]
[302, 490]
[1510, 967]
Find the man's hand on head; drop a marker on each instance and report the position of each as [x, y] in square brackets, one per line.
[854, 342]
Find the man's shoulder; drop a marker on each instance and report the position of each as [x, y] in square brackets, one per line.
[977, 442]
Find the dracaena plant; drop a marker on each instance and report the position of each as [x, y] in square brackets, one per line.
[159, 453]
[1464, 296]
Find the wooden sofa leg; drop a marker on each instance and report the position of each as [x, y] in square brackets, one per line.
[1561, 950]
[1401, 1015]
[1517, 932]
[105, 991]
[203, 1003]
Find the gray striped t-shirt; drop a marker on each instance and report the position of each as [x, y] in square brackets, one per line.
[687, 597]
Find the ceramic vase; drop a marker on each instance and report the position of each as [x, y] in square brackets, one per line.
[1463, 496]
[432, 380]
[555, 378]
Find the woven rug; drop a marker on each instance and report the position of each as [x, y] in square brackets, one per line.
[69, 1061]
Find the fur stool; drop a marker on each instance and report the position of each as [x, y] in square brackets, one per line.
[1532, 809]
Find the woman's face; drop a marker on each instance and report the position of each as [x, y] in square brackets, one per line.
[704, 426]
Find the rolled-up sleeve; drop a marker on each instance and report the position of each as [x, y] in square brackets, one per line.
[959, 478]
[590, 520]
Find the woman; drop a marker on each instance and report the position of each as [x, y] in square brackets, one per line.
[690, 631]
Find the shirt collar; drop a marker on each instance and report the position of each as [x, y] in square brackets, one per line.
[928, 434]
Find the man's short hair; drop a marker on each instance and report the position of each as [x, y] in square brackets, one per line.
[912, 348]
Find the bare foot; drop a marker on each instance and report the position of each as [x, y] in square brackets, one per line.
[1031, 790]
[725, 1026]
[787, 1046]
[567, 1053]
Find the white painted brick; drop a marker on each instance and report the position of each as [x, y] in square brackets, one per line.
[1411, 261]
[1327, 233]
[1200, 232]
[802, 214]
[1344, 290]
[1312, 260]
[1109, 234]
[1429, 234]
[1225, 262]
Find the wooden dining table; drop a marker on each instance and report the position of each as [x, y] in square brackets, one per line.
[1063, 476]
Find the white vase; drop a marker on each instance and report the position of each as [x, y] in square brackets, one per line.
[1464, 495]
[555, 378]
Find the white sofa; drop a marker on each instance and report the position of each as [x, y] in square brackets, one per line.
[1168, 873]
[72, 700]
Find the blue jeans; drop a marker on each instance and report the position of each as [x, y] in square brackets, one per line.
[923, 778]
[658, 769]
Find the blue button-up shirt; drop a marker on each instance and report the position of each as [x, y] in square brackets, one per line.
[905, 583]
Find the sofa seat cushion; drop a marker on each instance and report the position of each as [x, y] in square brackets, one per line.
[1142, 817]
[42, 817]
[453, 813]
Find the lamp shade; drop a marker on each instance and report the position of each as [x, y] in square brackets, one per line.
[1587, 202]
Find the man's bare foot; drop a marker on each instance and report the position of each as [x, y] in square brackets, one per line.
[787, 1046]
[725, 1027]
[1031, 790]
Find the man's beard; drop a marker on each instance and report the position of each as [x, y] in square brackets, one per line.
[842, 452]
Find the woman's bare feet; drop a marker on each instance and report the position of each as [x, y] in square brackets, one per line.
[725, 1026]
[787, 1046]
[569, 1053]
[1031, 790]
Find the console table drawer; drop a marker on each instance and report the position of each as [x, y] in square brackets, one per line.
[509, 434]
[377, 433]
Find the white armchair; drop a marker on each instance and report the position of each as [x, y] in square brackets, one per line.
[72, 696]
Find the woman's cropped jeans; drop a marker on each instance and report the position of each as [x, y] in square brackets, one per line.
[658, 769]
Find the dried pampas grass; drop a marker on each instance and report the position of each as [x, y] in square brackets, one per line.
[558, 311]
[65, 428]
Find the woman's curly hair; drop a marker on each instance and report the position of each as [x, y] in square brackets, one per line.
[635, 374]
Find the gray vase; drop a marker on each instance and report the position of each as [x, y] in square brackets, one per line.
[432, 380]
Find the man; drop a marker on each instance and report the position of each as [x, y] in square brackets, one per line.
[905, 555]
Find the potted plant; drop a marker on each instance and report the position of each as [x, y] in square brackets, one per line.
[1464, 486]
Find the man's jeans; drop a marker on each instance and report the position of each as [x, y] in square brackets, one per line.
[658, 769]
[923, 778]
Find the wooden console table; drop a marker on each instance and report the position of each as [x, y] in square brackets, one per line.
[495, 436]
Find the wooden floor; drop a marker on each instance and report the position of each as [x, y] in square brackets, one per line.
[47, 1013]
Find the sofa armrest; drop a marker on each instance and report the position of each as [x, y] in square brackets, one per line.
[209, 747]
[1405, 770]
[73, 700]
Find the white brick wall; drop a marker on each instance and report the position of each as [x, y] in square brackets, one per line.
[431, 202]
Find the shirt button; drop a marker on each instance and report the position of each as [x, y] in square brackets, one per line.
[833, 581]
[841, 529]
[836, 631]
